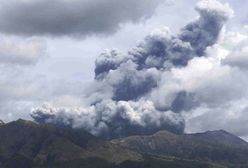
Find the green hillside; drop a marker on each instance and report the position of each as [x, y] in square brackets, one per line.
[24, 144]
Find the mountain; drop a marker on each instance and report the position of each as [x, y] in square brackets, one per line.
[214, 146]
[1, 122]
[25, 144]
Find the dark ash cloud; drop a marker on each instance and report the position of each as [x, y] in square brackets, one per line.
[159, 52]
[121, 99]
[75, 18]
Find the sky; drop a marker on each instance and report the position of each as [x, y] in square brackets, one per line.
[118, 68]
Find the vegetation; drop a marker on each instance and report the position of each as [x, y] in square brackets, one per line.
[212, 146]
[24, 144]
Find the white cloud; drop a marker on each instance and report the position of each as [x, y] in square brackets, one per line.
[215, 87]
[15, 51]
[224, 95]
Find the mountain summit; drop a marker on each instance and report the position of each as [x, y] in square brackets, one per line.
[1, 122]
[215, 146]
[24, 144]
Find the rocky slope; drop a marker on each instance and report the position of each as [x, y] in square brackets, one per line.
[27, 143]
[1, 122]
[215, 146]
[24, 144]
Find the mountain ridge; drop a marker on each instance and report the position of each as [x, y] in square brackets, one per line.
[25, 144]
[44, 144]
[215, 146]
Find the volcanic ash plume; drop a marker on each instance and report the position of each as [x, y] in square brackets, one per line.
[126, 96]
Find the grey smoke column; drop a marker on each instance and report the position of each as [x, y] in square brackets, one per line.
[160, 51]
[120, 104]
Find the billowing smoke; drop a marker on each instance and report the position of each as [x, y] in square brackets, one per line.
[112, 119]
[129, 95]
